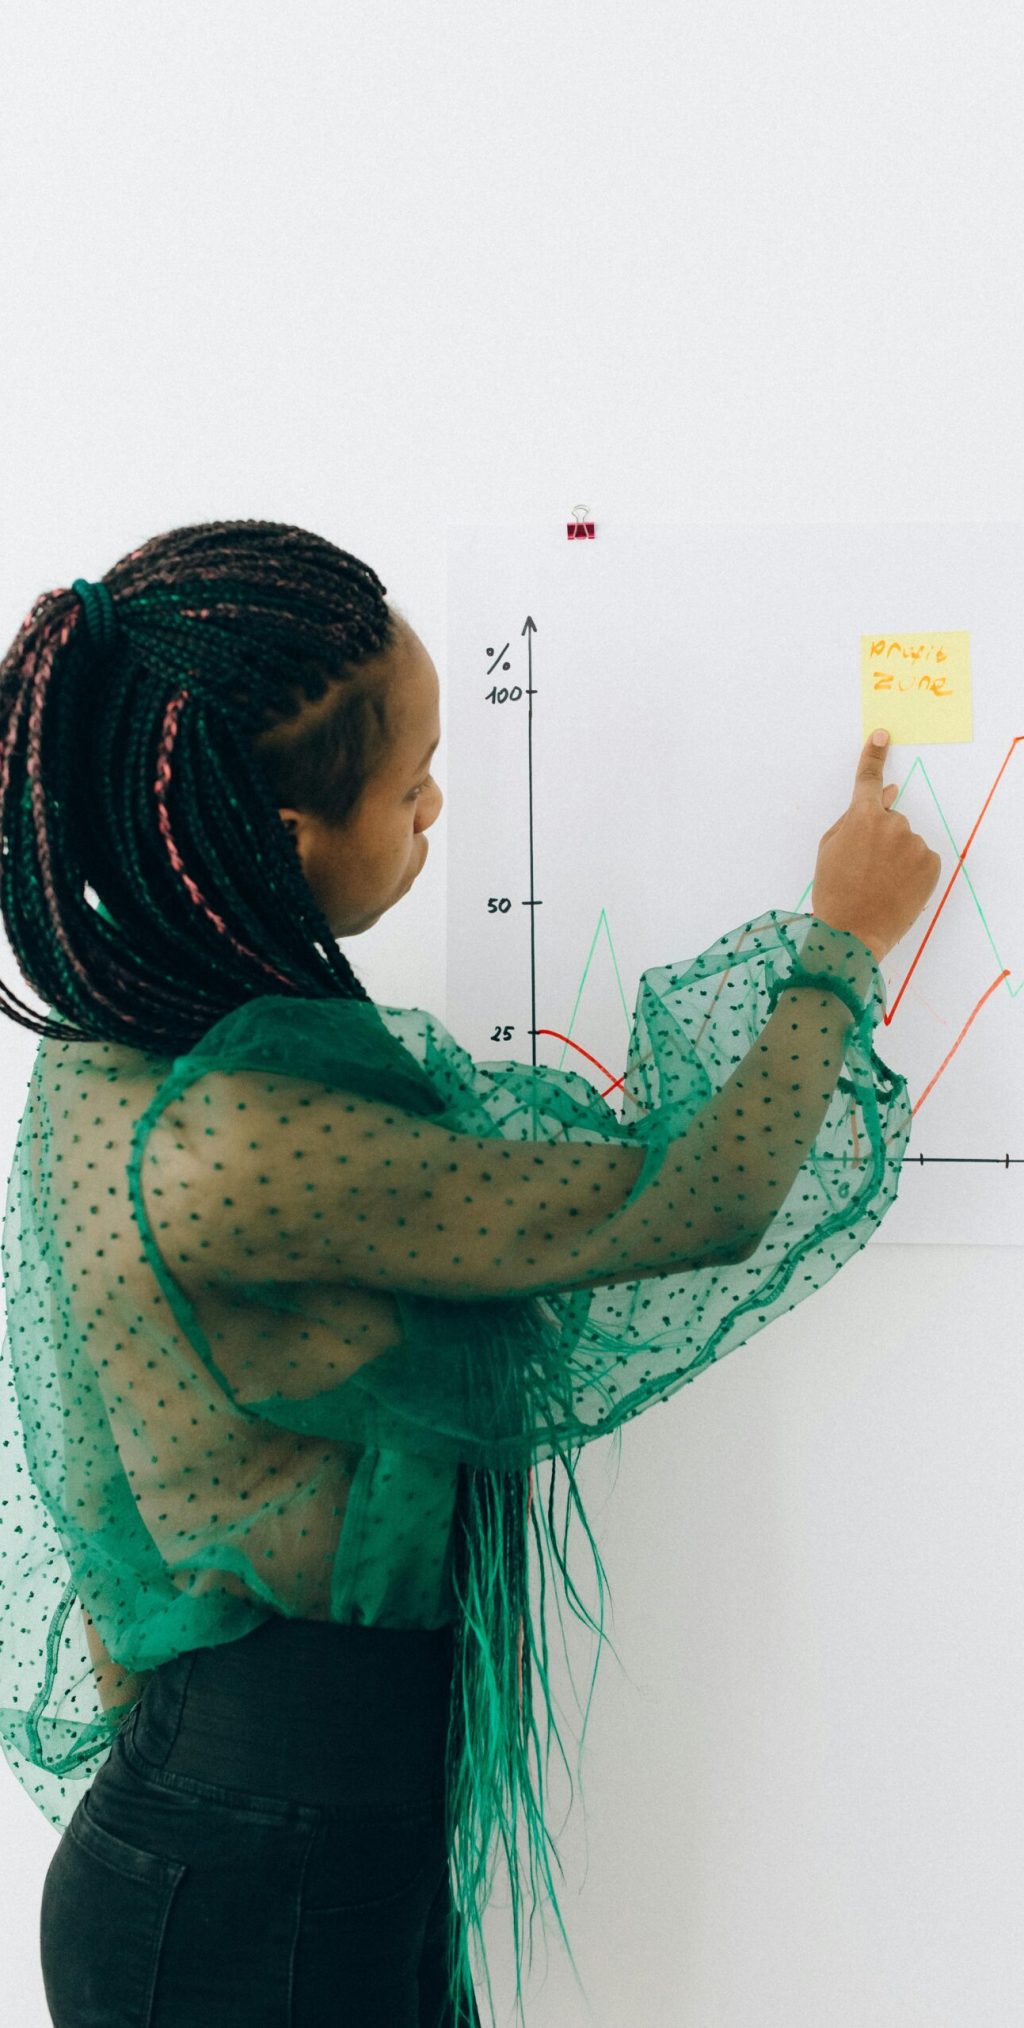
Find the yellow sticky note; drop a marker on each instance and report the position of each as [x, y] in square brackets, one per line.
[918, 686]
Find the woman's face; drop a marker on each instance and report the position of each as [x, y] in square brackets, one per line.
[358, 871]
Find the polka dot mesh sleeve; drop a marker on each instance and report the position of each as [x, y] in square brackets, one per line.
[497, 1265]
[327, 1227]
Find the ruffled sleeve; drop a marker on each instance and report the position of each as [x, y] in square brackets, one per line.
[482, 1261]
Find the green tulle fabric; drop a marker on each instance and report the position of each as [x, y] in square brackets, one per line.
[326, 1248]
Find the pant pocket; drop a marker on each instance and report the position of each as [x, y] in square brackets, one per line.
[364, 1862]
[103, 1913]
[367, 1896]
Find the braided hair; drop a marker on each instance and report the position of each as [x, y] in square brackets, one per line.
[153, 771]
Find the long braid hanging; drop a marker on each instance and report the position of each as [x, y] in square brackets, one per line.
[101, 620]
[493, 1728]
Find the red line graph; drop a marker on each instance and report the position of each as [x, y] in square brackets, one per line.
[948, 1058]
[570, 1044]
[954, 876]
[890, 1013]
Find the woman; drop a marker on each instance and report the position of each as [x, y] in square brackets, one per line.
[299, 1296]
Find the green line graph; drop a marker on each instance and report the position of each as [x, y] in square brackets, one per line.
[1002, 977]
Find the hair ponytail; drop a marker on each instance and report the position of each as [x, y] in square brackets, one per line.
[152, 770]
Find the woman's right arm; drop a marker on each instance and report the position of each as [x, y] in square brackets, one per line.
[249, 1177]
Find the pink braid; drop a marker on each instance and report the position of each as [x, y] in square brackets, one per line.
[163, 776]
[39, 669]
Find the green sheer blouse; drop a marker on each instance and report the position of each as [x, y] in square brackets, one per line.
[268, 1302]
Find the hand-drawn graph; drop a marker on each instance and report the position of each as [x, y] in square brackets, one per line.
[545, 898]
[934, 914]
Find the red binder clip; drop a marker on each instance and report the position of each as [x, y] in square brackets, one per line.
[580, 530]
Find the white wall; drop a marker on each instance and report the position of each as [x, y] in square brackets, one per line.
[380, 270]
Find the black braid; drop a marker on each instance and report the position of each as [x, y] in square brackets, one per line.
[170, 815]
